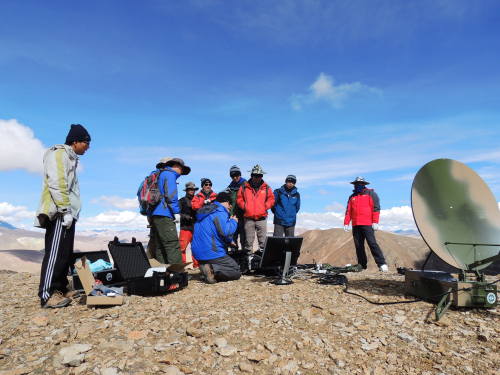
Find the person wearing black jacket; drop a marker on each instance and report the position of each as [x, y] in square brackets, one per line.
[188, 218]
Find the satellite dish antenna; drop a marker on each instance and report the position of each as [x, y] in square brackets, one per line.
[458, 218]
[454, 210]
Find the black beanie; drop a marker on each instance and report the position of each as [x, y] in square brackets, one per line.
[77, 133]
[224, 197]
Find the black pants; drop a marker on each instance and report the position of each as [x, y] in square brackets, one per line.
[240, 232]
[359, 234]
[59, 243]
[280, 230]
[225, 268]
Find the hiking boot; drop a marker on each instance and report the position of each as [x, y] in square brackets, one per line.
[57, 300]
[383, 268]
[207, 271]
[73, 294]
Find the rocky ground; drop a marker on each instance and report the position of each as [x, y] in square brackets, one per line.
[246, 326]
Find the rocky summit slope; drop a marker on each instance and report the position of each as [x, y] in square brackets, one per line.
[246, 326]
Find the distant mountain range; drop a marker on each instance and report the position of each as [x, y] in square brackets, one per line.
[4, 224]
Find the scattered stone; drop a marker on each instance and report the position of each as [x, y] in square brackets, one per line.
[339, 362]
[257, 357]
[406, 337]
[41, 320]
[220, 342]
[137, 335]
[192, 331]
[73, 360]
[370, 347]
[291, 366]
[227, 351]
[173, 370]
[186, 370]
[161, 347]
[245, 367]
[166, 359]
[109, 371]
[399, 319]
[484, 336]
[75, 349]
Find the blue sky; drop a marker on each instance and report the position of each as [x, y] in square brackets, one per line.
[325, 90]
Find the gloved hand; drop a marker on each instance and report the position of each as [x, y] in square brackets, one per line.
[177, 218]
[67, 220]
[207, 201]
[375, 226]
[345, 228]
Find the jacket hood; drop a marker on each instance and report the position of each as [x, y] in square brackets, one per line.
[72, 155]
[283, 190]
[234, 185]
[207, 210]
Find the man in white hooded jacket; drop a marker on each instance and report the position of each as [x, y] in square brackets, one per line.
[58, 212]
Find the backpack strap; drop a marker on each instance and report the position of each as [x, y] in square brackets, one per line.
[168, 198]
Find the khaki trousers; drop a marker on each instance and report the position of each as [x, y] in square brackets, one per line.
[252, 226]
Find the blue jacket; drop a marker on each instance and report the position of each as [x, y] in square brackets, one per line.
[170, 177]
[286, 206]
[212, 232]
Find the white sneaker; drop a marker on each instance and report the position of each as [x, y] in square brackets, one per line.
[383, 268]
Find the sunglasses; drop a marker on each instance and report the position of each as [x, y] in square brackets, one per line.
[86, 142]
[207, 184]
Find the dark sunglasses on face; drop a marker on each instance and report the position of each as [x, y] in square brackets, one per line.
[207, 184]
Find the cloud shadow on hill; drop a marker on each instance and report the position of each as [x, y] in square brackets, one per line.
[35, 256]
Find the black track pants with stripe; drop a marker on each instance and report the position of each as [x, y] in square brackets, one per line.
[58, 249]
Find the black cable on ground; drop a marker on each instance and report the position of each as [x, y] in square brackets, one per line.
[402, 302]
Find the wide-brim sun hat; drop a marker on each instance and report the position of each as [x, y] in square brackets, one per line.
[190, 185]
[360, 181]
[185, 171]
[162, 162]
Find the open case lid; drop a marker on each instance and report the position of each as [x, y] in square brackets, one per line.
[130, 258]
[85, 274]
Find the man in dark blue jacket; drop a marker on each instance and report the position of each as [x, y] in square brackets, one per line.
[286, 206]
[212, 235]
[166, 214]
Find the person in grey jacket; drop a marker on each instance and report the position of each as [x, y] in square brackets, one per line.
[57, 212]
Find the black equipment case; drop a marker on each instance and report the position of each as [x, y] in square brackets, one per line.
[132, 262]
[247, 261]
[109, 277]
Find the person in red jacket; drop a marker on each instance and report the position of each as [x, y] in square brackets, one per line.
[205, 196]
[255, 197]
[363, 208]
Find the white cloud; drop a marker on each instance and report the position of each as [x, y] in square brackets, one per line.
[19, 149]
[123, 219]
[322, 192]
[335, 206]
[393, 219]
[116, 201]
[15, 214]
[324, 89]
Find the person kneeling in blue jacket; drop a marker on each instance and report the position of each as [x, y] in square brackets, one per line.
[212, 236]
